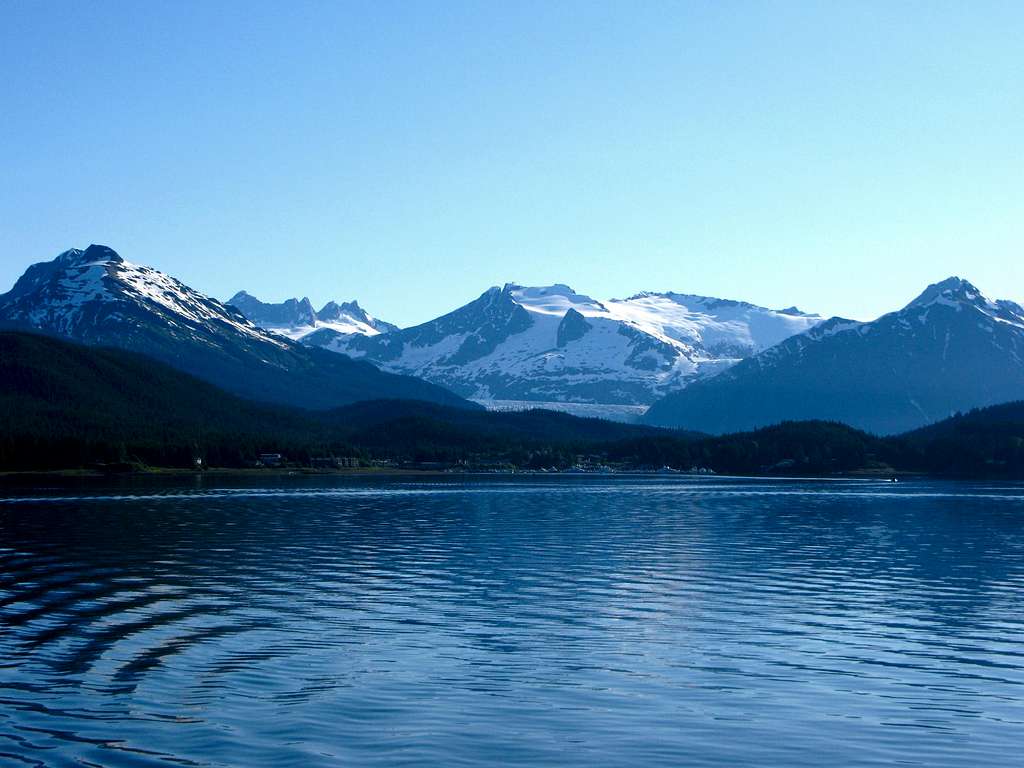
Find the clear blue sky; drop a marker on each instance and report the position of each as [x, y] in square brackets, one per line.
[833, 155]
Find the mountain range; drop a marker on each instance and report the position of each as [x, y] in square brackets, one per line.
[95, 297]
[668, 359]
[948, 350]
[296, 318]
[517, 346]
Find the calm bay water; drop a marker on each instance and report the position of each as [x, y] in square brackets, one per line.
[568, 621]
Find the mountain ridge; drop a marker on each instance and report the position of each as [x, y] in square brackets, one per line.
[296, 318]
[949, 349]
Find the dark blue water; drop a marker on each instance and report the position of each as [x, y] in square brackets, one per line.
[546, 621]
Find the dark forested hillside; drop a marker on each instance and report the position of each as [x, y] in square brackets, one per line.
[796, 447]
[982, 442]
[63, 405]
[66, 405]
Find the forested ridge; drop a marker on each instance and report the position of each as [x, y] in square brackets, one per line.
[63, 406]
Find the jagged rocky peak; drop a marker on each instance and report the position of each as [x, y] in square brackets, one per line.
[957, 294]
[296, 318]
[292, 313]
[332, 310]
[89, 266]
[493, 303]
[94, 254]
[349, 311]
[573, 327]
[303, 305]
[952, 290]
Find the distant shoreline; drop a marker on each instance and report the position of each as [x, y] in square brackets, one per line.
[227, 472]
[218, 472]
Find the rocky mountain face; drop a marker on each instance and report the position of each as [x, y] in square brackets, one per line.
[553, 346]
[948, 350]
[95, 297]
[296, 318]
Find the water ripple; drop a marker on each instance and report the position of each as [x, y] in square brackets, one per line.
[521, 621]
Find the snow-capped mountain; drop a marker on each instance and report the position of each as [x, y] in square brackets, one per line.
[554, 346]
[296, 318]
[949, 349]
[92, 295]
[96, 297]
